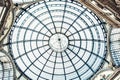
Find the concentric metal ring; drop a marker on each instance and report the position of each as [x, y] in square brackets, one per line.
[78, 55]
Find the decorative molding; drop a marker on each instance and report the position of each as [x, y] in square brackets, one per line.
[106, 9]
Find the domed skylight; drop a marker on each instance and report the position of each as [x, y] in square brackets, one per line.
[57, 40]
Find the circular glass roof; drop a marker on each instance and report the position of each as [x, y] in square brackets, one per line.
[115, 45]
[6, 67]
[57, 40]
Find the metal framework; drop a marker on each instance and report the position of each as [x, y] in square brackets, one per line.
[57, 40]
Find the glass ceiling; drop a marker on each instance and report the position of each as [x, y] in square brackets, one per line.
[57, 40]
[6, 68]
[115, 45]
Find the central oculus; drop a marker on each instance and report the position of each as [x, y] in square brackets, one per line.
[58, 42]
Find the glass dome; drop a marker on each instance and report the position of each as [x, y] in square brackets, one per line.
[6, 67]
[115, 45]
[57, 40]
